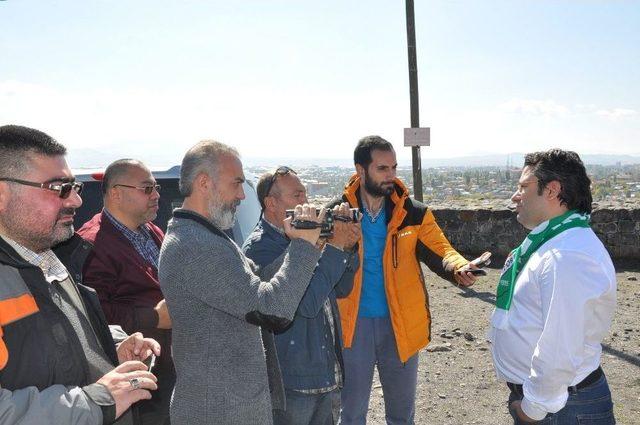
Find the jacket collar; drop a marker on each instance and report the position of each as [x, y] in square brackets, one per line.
[394, 203]
[192, 215]
[271, 231]
[72, 252]
[10, 257]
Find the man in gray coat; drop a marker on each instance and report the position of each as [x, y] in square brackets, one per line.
[216, 300]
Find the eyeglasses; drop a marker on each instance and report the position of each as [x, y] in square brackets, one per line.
[63, 189]
[148, 190]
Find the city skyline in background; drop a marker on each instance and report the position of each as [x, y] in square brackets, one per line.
[288, 81]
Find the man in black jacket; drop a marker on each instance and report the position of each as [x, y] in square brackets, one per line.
[58, 361]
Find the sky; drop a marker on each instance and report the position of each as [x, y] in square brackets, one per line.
[307, 79]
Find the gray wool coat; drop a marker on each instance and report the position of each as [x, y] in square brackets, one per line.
[213, 293]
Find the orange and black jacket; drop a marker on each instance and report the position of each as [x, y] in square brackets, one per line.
[412, 236]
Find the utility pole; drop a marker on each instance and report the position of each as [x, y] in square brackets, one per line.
[413, 100]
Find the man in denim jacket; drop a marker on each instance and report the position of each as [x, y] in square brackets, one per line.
[309, 350]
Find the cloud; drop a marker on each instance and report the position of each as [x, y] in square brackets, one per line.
[549, 108]
[535, 107]
[158, 126]
[263, 121]
[618, 113]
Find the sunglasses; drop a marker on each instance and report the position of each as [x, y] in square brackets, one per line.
[283, 170]
[63, 189]
[280, 171]
[148, 190]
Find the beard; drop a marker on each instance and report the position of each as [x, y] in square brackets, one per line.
[63, 231]
[30, 232]
[222, 214]
[376, 189]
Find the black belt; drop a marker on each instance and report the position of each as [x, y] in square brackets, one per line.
[590, 379]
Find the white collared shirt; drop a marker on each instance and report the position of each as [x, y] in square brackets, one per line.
[47, 261]
[563, 304]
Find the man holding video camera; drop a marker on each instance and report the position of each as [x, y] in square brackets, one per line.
[385, 318]
[309, 351]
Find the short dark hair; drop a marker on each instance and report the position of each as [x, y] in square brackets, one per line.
[362, 153]
[116, 169]
[567, 168]
[18, 142]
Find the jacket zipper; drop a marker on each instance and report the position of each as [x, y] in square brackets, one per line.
[394, 249]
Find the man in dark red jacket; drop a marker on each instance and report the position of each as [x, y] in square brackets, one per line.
[123, 268]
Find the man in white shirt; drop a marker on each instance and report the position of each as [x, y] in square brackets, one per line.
[555, 300]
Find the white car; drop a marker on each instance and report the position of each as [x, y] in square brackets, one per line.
[248, 212]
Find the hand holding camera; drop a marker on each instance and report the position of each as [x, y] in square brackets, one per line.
[327, 223]
[346, 230]
[304, 222]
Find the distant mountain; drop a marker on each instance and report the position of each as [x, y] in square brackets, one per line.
[92, 158]
[610, 159]
[491, 160]
[516, 160]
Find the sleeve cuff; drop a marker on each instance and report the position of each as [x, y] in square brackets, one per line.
[336, 257]
[333, 246]
[146, 318]
[331, 249]
[299, 244]
[101, 396]
[456, 263]
[532, 411]
[117, 333]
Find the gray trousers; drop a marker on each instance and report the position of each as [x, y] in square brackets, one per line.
[374, 345]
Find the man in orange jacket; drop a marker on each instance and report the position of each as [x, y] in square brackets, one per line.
[385, 319]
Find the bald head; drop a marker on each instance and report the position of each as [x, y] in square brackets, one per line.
[118, 170]
[130, 192]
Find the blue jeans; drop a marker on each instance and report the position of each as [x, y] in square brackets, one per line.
[307, 409]
[591, 405]
[374, 344]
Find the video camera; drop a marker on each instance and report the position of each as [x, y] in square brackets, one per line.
[326, 227]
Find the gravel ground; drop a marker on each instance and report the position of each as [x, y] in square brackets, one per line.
[458, 386]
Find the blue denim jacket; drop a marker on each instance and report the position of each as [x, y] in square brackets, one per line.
[307, 353]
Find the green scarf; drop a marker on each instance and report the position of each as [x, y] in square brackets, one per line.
[518, 258]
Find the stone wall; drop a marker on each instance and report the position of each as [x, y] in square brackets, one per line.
[473, 231]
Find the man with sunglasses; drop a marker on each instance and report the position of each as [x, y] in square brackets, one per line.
[58, 359]
[309, 351]
[123, 268]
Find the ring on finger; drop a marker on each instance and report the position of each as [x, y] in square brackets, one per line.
[135, 383]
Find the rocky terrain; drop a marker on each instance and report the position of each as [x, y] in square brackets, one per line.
[456, 382]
